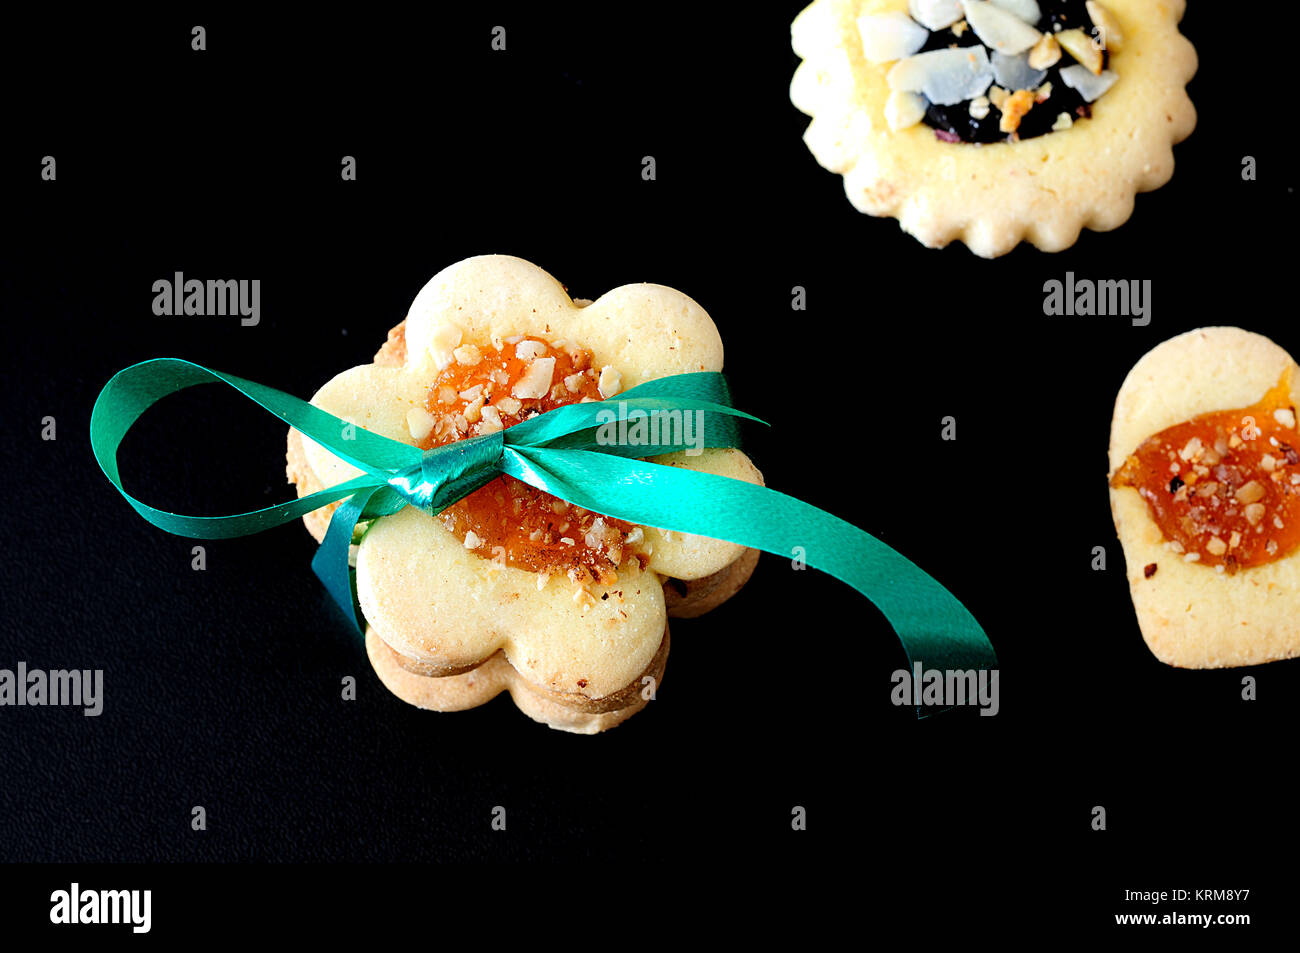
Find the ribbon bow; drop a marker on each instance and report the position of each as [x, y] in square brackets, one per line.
[562, 452]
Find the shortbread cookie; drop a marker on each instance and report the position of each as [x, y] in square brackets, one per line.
[992, 122]
[1205, 491]
[572, 602]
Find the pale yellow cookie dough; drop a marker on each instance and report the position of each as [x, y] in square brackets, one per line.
[1044, 189]
[1191, 616]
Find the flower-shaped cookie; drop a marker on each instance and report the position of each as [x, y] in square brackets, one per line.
[512, 589]
[993, 122]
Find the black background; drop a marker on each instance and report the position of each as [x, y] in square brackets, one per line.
[223, 686]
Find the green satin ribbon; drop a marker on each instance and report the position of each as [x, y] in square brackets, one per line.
[562, 453]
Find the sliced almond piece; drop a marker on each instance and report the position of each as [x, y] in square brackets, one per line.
[1046, 53]
[1026, 10]
[998, 29]
[946, 77]
[1090, 87]
[1014, 72]
[902, 111]
[1079, 45]
[935, 14]
[890, 36]
[1111, 36]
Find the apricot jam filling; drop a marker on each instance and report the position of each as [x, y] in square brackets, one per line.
[1224, 487]
[485, 389]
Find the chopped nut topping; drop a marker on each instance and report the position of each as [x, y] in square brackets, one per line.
[512, 523]
[1216, 546]
[1285, 416]
[1014, 109]
[611, 382]
[1192, 450]
[467, 354]
[1254, 513]
[420, 422]
[443, 343]
[1063, 121]
[979, 107]
[527, 350]
[536, 382]
[997, 96]
[491, 419]
[1250, 492]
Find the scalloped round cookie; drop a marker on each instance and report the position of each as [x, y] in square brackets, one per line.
[992, 196]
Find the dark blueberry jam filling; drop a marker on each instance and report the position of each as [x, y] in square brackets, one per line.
[956, 124]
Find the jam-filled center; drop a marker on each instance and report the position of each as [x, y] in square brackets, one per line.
[485, 389]
[1224, 487]
[984, 72]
